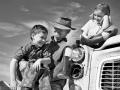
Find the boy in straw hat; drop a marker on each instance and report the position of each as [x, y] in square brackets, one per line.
[58, 49]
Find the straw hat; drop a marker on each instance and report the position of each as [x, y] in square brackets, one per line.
[63, 23]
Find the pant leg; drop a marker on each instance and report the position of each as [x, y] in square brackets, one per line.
[29, 76]
[57, 69]
[55, 82]
[66, 65]
[62, 67]
[73, 86]
[56, 87]
[26, 88]
[20, 69]
[58, 84]
[44, 83]
[19, 73]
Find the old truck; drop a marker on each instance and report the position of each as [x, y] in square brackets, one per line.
[98, 69]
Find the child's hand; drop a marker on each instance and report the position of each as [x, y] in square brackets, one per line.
[85, 36]
[46, 61]
[13, 85]
[90, 37]
[37, 65]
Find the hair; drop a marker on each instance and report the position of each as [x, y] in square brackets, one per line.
[105, 8]
[38, 29]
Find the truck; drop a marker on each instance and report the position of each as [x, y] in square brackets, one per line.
[97, 69]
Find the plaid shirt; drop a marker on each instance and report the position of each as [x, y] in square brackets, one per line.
[30, 52]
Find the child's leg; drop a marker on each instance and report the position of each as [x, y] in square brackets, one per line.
[22, 65]
[84, 41]
[28, 76]
[57, 70]
[64, 74]
[44, 82]
[19, 75]
[58, 84]
[20, 69]
[26, 88]
[66, 65]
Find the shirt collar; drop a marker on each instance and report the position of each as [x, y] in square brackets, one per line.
[59, 41]
[35, 46]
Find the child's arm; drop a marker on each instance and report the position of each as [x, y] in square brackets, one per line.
[85, 34]
[13, 82]
[86, 28]
[105, 23]
[45, 61]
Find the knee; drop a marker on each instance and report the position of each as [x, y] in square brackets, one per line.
[55, 72]
[56, 87]
[74, 87]
[22, 65]
[20, 69]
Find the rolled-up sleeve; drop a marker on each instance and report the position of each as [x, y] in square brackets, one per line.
[86, 27]
[21, 53]
[68, 52]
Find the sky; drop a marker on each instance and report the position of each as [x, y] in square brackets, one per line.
[18, 16]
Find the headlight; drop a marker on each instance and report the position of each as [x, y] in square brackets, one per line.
[78, 55]
[77, 71]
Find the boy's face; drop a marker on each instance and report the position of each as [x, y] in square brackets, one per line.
[60, 33]
[98, 15]
[39, 39]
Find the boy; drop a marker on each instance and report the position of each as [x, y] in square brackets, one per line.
[58, 45]
[30, 59]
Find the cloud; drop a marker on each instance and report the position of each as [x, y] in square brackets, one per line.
[75, 5]
[58, 13]
[5, 60]
[11, 30]
[3, 53]
[11, 35]
[4, 70]
[11, 27]
[72, 10]
[30, 24]
[24, 9]
[15, 34]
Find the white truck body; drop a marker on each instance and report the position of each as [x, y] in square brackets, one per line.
[101, 67]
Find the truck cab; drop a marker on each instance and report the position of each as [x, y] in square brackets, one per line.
[98, 69]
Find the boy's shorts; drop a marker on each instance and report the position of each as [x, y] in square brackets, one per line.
[28, 74]
[32, 78]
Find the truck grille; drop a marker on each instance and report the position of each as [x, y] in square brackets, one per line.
[110, 76]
